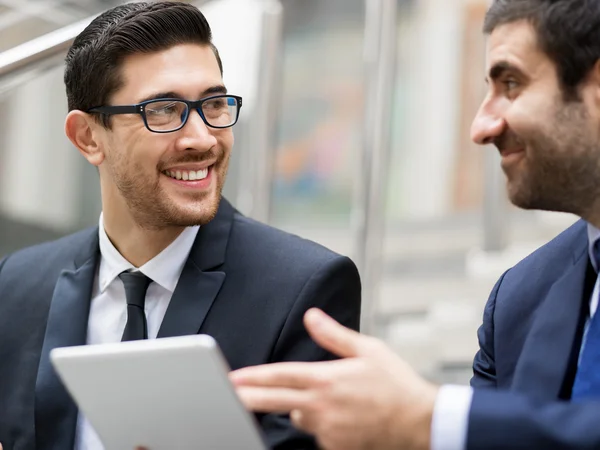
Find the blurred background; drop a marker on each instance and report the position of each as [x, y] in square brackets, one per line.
[354, 133]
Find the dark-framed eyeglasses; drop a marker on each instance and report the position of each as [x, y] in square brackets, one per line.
[164, 115]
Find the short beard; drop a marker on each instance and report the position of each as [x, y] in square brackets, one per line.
[151, 208]
[563, 165]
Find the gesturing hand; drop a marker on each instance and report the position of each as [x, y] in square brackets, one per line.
[369, 399]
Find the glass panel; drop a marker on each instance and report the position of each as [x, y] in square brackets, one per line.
[46, 187]
[319, 129]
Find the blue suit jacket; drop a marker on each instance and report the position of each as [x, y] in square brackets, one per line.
[244, 283]
[529, 346]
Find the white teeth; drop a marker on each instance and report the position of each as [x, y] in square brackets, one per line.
[185, 176]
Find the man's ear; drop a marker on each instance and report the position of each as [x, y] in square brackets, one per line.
[84, 132]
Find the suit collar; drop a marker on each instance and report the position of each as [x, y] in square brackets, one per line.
[210, 246]
[553, 336]
[164, 269]
[87, 247]
[200, 281]
[593, 235]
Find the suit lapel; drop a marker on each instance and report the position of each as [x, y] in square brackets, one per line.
[55, 412]
[199, 283]
[547, 352]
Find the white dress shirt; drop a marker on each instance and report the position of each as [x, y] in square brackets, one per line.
[451, 413]
[108, 309]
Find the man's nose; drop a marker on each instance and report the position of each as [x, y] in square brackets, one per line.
[487, 125]
[197, 134]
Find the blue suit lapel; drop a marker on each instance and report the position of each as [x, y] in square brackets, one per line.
[55, 412]
[200, 282]
[546, 355]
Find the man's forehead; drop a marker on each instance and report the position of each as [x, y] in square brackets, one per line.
[188, 67]
[514, 42]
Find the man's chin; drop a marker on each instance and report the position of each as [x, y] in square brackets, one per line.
[520, 196]
[200, 213]
[530, 199]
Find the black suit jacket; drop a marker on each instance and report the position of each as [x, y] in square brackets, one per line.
[244, 283]
[530, 341]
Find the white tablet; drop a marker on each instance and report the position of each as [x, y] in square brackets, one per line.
[164, 394]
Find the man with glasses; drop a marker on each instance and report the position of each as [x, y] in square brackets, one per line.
[170, 257]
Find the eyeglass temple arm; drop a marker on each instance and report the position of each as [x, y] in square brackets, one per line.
[124, 109]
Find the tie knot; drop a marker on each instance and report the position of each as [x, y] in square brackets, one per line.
[136, 285]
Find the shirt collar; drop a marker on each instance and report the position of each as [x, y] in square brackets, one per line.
[593, 236]
[164, 269]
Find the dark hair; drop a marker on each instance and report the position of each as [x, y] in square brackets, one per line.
[92, 72]
[568, 31]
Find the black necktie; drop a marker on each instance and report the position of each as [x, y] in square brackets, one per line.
[136, 285]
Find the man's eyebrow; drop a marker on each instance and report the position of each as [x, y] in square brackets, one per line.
[158, 95]
[500, 68]
[216, 89]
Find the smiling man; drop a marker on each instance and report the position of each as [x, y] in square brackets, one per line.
[536, 382]
[170, 257]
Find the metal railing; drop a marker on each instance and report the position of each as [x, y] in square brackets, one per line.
[27, 55]
[370, 194]
[23, 62]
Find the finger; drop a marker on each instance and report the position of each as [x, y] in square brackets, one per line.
[305, 420]
[273, 400]
[296, 375]
[332, 336]
[297, 419]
